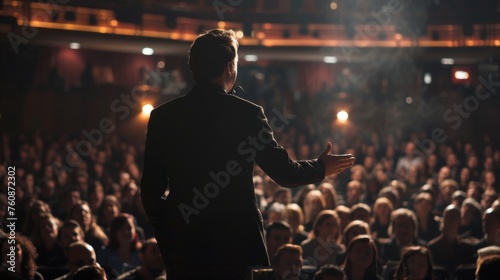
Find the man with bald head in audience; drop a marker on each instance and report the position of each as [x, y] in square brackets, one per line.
[79, 254]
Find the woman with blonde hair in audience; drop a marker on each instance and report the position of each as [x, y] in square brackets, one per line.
[344, 213]
[294, 216]
[382, 210]
[313, 204]
[354, 229]
[329, 194]
[361, 259]
[324, 243]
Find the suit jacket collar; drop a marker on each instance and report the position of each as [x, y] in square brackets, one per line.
[206, 89]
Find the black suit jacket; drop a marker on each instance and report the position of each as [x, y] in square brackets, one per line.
[204, 146]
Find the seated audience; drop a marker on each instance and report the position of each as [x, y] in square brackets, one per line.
[151, 266]
[287, 262]
[49, 250]
[403, 232]
[324, 243]
[330, 272]
[361, 259]
[79, 254]
[447, 250]
[277, 233]
[416, 264]
[122, 252]
[25, 255]
[295, 218]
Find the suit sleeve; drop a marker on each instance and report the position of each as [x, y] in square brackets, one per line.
[155, 174]
[275, 161]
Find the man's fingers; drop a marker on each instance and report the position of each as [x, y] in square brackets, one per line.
[327, 150]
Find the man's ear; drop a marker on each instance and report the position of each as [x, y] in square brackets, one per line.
[230, 68]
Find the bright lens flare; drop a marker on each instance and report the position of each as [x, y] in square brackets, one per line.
[461, 75]
[342, 116]
[146, 109]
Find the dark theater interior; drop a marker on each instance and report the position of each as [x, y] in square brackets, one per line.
[410, 88]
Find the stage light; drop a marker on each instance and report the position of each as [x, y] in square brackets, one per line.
[333, 5]
[250, 57]
[461, 75]
[409, 100]
[146, 109]
[342, 116]
[398, 37]
[261, 35]
[113, 23]
[147, 51]
[427, 78]
[330, 59]
[239, 34]
[221, 24]
[74, 46]
[160, 64]
[447, 61]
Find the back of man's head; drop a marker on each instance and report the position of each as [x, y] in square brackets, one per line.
[210, 53]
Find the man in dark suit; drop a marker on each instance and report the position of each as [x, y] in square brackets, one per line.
[202, 147]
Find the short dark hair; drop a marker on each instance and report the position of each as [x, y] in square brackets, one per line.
[329, 270]
[402, 270]
[277, 225]
[210, 53]
[285, 248]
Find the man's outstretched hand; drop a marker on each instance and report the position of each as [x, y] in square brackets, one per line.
[335, 164]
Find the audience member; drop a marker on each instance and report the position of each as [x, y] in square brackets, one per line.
[324, 243]
[416, 264]
[79, 254]
[361, 259]
[151, 266]
[277, 234]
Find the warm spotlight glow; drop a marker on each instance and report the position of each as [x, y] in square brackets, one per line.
[329, 59]
[447, 61]
[342, 116]
[409, 100]
[261, 35]
[497, 42]
[221, 24]
[74, 46]
[333, 5]
[461, 75]
[398, 37]
[250, 57]
[113, 23]
[147, 51]
[146, 109]
[239, 34]
[427, 78]
[160, 64]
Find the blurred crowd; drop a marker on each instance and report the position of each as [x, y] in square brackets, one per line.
[77, 202]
